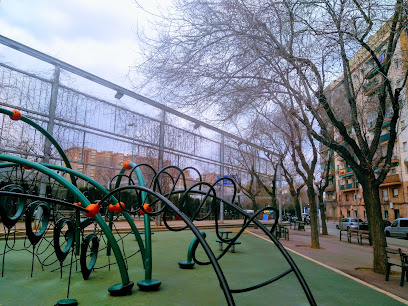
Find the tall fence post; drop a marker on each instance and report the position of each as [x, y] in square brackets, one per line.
[161, 154]
[222, 175]
[50, 124]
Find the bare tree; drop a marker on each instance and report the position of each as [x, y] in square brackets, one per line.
[232, 55]
[321, 186]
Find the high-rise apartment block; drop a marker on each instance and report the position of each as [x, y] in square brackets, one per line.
[344, 195]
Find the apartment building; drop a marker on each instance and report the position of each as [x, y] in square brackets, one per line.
[344, 195]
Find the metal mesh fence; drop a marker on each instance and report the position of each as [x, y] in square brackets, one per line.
[99, 135]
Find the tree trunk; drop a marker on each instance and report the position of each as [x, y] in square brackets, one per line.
[254, 204]
[322, 213]
[323, 216]
[373, 209]
[313, 217]
[298, 210]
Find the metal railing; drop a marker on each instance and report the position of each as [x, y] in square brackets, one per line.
[99, 132]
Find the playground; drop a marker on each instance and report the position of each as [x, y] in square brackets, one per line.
[61, 245]
[198, 286]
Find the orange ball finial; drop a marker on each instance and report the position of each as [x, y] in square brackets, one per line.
[16, 115]
[92, 210]
[78, 204]
[147, 208]
[126, 165]
[116, 207]
[119, 207]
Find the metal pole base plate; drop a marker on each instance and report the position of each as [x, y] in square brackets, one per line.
[121, 290]
[149, 285]
[186, 264]
[68, 302]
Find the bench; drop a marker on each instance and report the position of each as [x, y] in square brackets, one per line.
[281, 232]
[395, 257]
[341, 231]
[220, 243]
[359, 234]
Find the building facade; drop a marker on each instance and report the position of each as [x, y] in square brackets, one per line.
[344, 196]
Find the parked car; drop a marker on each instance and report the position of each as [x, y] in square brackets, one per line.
[399, 228]
[349, 223]
[364, 226]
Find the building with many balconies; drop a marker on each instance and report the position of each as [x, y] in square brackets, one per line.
[344, 195]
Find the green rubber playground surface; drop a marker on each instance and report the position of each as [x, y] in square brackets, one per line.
[255, 261]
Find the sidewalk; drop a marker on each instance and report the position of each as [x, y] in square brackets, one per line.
[350, 258]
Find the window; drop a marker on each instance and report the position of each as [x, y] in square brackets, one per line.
[354, 196]
[395, 224]
[405, 144]
[348, 213]
[403, 223]
[365, 214]
[347, 197]
[394, 171]
[396, 213]
[403, 125]
[395, 192]
[386, 215]
[356, 215]
[385, 194]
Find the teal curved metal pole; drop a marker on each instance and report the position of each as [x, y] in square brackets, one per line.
[47, 135]
[105, 191]
[189, 263]
[148, 284]
[119, 289]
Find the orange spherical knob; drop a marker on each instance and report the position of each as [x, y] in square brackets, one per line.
[92, 210]
[78, 204]
[116, 207]
[16, 115]
[147, 208]
[119, 207]
[127, 165]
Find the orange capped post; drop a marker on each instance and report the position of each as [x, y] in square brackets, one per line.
[117, 207]
[147, 208]
[127, 165]
[92, 210]
[16, 115]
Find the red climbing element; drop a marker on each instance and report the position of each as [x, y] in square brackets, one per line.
[147, 208]
[16, 115]
[92, 210]
[127, 166]
[117, 207]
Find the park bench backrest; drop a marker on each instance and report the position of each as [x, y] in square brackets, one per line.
[394, 256]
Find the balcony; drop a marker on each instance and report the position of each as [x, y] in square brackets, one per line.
[392, 179]
[345, 172]
[330, 188]
[384, 138]
[395, 159]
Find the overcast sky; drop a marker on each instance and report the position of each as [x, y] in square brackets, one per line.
[98, 36]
